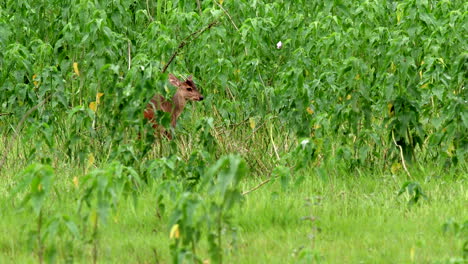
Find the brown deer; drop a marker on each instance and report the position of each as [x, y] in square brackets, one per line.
[186, 91]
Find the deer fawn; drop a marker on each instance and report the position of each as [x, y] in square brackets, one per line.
[186, 91]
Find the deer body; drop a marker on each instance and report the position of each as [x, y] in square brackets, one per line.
[186, 91]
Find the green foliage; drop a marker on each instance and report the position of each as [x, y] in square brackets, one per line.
[105, 187]
[38, 181]
[414, 192]
[351, 84]
[349, 73]
[192, 212]
[51, 227]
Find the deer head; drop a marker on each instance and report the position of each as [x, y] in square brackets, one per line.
[186, 90]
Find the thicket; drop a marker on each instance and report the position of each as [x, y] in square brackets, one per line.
[359, 84]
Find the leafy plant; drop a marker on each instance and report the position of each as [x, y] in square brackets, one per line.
[193, 214]
[37, 181]
[414, 192]
[103, 191]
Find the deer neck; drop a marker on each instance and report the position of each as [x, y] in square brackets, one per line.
[179, 103]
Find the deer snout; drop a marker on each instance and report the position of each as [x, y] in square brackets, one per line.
[200, 98]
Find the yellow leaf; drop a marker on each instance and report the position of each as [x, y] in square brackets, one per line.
[391, 111]
[93, 216]
[422, 62]
[221, 2]
[309, 110]
[75, 68]
[206, 261]
[90, 159]
[36, 83]
[412, 254]
[39, 187]
[395, 167]
[420, 74]
[174, 232]
[93, 106]
[348, 97]
[358, 77]
[75, 181]
[392, 67]
[424, 86]
[252, 123]
[340, 99]
[98, 97]
[450, 150]
[317, 126]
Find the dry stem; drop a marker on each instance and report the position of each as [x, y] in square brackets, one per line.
[401, 155]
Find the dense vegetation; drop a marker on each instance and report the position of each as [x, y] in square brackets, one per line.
[358, 106]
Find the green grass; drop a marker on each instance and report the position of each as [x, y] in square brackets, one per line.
[358, 219]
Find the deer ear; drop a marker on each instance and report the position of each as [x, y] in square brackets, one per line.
[173, 80]
[189, 78]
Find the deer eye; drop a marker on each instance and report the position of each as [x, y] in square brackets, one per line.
[189, 89]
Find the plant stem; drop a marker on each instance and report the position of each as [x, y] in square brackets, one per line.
[95, 249]
[219, 234]
[40, 251]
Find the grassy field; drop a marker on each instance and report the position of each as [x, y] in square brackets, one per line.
[327, 217]
[330, 132]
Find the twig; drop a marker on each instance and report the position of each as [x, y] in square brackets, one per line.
[235, 124]
[148, 9]
[199, 7]
[401, 155]
[18, 127]
[129, 49]
[256, 187]
[185, 42]
[227, 14]
[273, 143]
[5, 114]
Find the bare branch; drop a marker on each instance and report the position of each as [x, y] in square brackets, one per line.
[18, 127]
[186, 41]
[257, 187]
[401, 155]
[227, 14]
